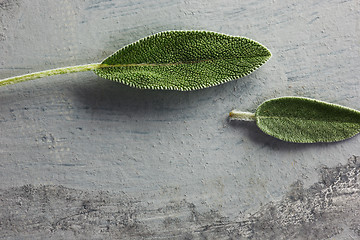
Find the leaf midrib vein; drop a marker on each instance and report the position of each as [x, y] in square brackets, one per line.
[306, 119]
[167, 64]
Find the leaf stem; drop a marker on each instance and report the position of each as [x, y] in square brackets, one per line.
[51, 72]
[243, 116]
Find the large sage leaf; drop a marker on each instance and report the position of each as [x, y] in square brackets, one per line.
[307, 120]
[175, 60]
[184, 60]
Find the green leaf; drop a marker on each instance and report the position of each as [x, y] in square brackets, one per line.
[305, 120]
[184, 60]
[174, 60]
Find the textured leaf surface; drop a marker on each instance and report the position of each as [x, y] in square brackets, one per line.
[307, 120]
[184, 60]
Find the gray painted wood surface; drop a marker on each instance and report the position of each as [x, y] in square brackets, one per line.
[85, 158]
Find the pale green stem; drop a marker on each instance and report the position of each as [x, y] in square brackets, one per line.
[72, 69]
[244, 116]
[46, 73]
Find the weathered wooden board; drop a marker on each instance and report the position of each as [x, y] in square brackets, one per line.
[83, 157]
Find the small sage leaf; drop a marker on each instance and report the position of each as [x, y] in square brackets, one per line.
[184, 60]
[304, 120]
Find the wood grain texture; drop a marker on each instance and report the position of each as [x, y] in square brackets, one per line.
[170, 157]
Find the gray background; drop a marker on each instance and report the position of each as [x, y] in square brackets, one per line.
[83, 157]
